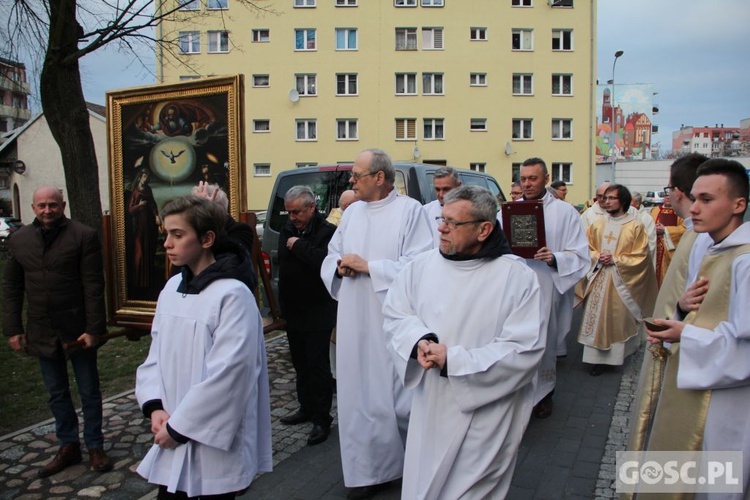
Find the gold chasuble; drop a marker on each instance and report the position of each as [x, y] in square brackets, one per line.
[674, 228]
[679, 418]
[619, 296]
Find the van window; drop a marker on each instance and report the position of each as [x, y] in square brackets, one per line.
[319, 182]
[400, 183]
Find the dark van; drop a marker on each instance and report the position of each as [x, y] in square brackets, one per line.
[328, 182]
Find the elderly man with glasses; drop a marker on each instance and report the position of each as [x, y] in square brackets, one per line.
[596, 211]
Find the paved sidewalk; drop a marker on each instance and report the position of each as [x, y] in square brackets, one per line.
[569, 455]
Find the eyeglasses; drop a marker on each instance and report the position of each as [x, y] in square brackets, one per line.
[452, 224]
[667, 189]
[357, 176]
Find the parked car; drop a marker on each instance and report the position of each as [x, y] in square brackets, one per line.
[654, 198]
[8, 225]
[328, 182]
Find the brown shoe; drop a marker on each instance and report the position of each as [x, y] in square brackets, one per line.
[100, 462]
[67, 455]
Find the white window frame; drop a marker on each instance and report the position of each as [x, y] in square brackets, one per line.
[478, 166]
[524, 35]
[520, 3]
[258, 126]
[221, 42]
[431, 82]
[564, 40]
[261, 170]
[257, 78]
[406, 79]
[190, 5]
[557, 172]
[219, 4]
[478, 79]
[432, 38]
[561, 77]
[303, 164]
[309, 36]
[478, 124]
[406, 124]
[404, 3]
[433, 3]
[562, 129]
[261, 35]
[525, 84]
[304, 4]
[478, 34]
[306, 84]
[349, 127]
[525, 134]
[188, 38]
[347, 32]
[408, 38]
[433, 129]
[309, 130]
[346, 3]
[348, 80]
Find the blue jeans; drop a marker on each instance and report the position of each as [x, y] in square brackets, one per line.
[55, 375]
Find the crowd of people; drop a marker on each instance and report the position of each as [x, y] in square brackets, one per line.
[446, 343]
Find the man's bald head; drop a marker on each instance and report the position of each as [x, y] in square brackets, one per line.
[347, 198]
[48, 205]
[600, 192]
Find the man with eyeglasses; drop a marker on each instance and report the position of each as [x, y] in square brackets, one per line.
[516, 193]
[559, 266]
[468, 355]
[621, 286]
[378, 235]
[669, 229]
[444, 180]
[597, 210]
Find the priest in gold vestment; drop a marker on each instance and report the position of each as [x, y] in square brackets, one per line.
[669, 229]
[621, 286]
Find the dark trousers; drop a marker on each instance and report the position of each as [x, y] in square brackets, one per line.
[181, 495]
[55, 375]
[312, 363]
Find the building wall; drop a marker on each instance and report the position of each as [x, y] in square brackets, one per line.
[376, 106]
[41, 154]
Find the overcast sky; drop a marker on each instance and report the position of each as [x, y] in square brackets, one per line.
[694, 52]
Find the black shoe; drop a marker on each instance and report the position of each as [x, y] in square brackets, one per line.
[318, 434]
[295, 418]
[597, 370]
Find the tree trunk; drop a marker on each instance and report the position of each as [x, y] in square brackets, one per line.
[65, 110]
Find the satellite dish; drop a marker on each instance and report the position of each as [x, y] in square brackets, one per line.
[508, 149]
[415, 152]
[293, 95]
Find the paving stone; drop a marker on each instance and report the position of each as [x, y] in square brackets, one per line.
[92, 491]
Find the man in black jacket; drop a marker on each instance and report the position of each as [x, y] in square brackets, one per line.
[57, 263]
[308, 309]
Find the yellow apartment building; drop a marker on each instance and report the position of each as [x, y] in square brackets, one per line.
[479, 84]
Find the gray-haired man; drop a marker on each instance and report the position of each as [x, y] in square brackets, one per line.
[445, 179]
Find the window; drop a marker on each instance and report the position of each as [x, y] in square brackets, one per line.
[307, 130]
[306, 84]
[261, 126]
[262, 169]
[261, 80]
[562, 172]
[346, 84]
[433, 3]
[190, 4]
[190, 42]
[304, 39]
[346, 39]
[478, 124]
[260, 36]
[522, 39]
[432, 38]
[406, 38]
[346, 130]
[478, 167]
[478, 79]
[406, 129]
[406, 83]
[522, 128]
[562, 3]
[434, 129]
[478, 34]
[216, 4]
[405, 3]
[520, 3]
[218, 42]
[515, 171]
[432, 83]
[562, 128]
[562, 39]
[562, 84]
[304, 164]
[304, 3]
[523, 84]
[346, 3]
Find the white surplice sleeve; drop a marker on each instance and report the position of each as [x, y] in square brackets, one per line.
[718, 359]
[328, 271]
[573, 258]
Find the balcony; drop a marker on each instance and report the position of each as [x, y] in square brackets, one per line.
[14, 86]
[17, 114]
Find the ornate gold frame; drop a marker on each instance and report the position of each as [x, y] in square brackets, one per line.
[125, 309]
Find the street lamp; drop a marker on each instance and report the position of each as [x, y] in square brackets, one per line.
[613, 133]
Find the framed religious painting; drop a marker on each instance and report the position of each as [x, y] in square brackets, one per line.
[523, 224]
[163, 140]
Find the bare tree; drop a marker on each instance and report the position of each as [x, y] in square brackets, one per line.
[71, 29]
